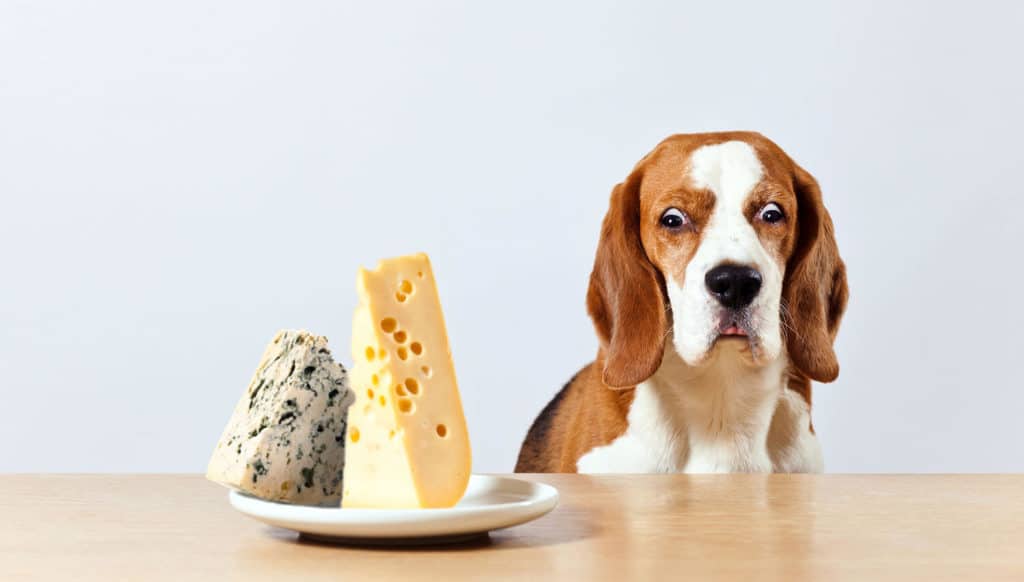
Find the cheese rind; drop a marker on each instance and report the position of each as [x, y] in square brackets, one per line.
[285, 440]
[408, 445]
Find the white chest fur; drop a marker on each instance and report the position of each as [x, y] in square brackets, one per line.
[726, 416]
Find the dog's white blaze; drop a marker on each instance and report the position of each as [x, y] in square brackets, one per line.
[730, 170]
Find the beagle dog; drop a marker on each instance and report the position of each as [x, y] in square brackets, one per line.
[716, 294]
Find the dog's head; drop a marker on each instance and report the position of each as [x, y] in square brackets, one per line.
[724, 240]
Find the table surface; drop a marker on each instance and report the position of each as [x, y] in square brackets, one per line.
[629, 527]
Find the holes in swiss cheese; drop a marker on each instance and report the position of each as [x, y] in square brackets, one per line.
[388, 324]
[400, 390]
[405, 405]
[403, 354]
[383, 400]
[369, 393]
[401, 336]
[405, 289]
[370, 353]
[375, 380]
[441, 430]
[353, 434]
[416, 347]
[412, 386]
[427, 372]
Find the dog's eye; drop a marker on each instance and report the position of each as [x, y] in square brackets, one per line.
[674, 218]
[771, 213]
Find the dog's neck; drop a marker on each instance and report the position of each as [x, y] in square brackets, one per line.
[721, 410]
[726, 415]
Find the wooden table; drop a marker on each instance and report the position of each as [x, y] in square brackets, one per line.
[643, 527]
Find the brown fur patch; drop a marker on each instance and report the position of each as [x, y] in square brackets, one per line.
[556, 441]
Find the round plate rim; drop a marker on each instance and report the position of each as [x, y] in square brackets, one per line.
[336, 522]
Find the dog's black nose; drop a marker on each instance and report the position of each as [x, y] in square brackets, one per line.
[733, 286]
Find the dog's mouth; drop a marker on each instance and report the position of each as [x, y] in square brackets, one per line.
[737, 329]
[734, 328]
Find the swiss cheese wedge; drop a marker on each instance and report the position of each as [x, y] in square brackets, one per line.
[407, 442]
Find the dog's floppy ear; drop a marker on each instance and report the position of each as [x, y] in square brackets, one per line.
[815, 291]
[626, 298]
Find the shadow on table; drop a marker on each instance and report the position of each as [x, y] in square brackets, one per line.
[563, 526]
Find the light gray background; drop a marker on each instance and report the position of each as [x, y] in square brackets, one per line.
[181, 179]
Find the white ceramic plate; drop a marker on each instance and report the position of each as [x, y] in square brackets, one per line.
[489, 503]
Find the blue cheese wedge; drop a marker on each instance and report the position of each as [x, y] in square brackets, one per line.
[286, 438]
